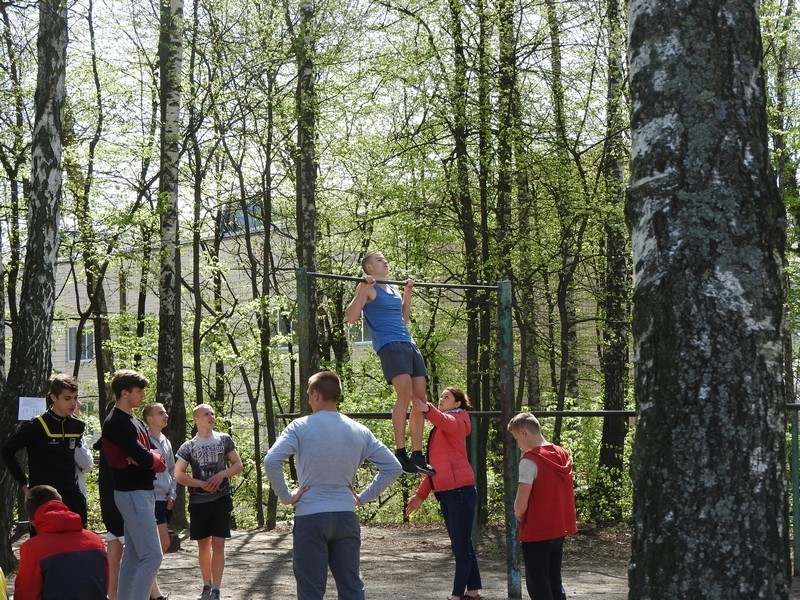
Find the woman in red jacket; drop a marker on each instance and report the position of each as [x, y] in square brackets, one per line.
[453, 485]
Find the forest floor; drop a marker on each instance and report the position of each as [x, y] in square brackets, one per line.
[402, 562]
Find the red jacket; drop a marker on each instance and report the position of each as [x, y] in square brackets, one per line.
[63, 561]
[447, 452]
[551, 505]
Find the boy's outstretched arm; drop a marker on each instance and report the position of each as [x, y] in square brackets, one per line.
[406, 308]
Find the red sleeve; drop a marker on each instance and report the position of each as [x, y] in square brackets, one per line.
[159, 464]
[424, 487]
[448, 422]
[28, 583]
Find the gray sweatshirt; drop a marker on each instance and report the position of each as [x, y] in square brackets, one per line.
[329, 448]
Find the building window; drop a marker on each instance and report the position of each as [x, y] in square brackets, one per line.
[282, 328]
[233, 220]
[87, 345]
[359, 332]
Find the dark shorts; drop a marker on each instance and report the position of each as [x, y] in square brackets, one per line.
[162, 514]
[402, 358]
[210, 519]
[112, 518]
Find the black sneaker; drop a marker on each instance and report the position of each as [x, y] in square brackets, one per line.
[422, 466]
[408, 466]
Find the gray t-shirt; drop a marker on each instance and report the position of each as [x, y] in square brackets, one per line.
[207, 457]
[527, 471]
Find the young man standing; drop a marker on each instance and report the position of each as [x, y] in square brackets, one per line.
[386, 314]
[545, 506]
[64, 560]
[133, 463]
[51, 439]
[213, 460]
[329, 448]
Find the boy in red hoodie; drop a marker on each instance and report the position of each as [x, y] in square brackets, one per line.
[545, 507]
[64, 560]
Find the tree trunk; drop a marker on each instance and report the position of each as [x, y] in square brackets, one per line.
[31, 351]
[170, 341]
[13, 159]
[708, 233]
[606, 504]
[95, 268]
[785, 163]
[306, 185]
[565, 298]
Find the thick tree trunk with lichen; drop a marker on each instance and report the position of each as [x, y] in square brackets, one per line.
[708, 232]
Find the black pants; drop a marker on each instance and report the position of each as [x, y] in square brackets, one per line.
[543, 569]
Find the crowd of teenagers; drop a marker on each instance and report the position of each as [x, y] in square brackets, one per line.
[138, 475]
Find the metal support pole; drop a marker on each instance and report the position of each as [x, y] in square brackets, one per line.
[473, 460]
[505, 363]
[303, 337]
[795, 462]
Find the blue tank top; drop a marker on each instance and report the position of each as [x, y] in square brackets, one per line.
[384, 318]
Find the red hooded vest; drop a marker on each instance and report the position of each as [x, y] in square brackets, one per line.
[551, 506]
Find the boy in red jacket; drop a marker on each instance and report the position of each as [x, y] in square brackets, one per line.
[545, 507]
[64, 560]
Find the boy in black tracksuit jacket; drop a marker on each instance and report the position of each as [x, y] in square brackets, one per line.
[51, 439]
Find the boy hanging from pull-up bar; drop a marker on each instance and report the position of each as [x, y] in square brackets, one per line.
[386, 313]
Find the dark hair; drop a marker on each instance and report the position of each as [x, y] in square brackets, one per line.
[327, 384]
[61, 382]
[126, 380]
[459, 396]
[38, 495]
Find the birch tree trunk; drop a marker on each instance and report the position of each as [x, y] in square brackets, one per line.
[30, 353]
[170, 342]
[708, 233]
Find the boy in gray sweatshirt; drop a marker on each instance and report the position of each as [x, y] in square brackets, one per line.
[329, 448]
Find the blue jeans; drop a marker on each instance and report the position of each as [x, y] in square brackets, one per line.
[458, 510]
[322, 540]
[142, 556]
[543, 569]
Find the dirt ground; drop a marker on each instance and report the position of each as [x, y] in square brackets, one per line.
[400, 562]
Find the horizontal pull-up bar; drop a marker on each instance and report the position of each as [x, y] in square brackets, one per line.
[460, 286]
[494, 414]
[490, 414]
